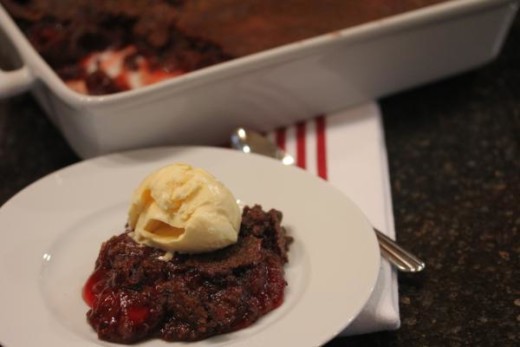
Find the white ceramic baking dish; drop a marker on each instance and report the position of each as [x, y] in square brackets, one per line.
[268, 89]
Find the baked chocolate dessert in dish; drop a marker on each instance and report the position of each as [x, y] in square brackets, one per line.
[134, 295]
[108, 46]
[190, 265]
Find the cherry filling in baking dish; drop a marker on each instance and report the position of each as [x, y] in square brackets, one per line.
[135, 294]
[108, 46]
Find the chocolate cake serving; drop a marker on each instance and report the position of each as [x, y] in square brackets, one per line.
[134, 294]
[178, 36]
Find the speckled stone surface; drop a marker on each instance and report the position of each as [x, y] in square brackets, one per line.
[454, 153]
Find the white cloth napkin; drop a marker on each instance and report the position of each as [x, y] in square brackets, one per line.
[348, 149]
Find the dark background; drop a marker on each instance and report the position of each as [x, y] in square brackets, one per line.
[454, 158]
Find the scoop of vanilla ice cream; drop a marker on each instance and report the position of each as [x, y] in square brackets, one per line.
[184, 209]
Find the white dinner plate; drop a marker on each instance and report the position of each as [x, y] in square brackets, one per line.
[51, 233]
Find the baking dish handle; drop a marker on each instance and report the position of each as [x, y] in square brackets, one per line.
[15, 82]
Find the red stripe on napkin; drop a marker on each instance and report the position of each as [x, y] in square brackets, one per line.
[301, 159]
[280, 138]
[321, 147]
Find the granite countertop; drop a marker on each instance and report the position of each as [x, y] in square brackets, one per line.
[454, 155]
